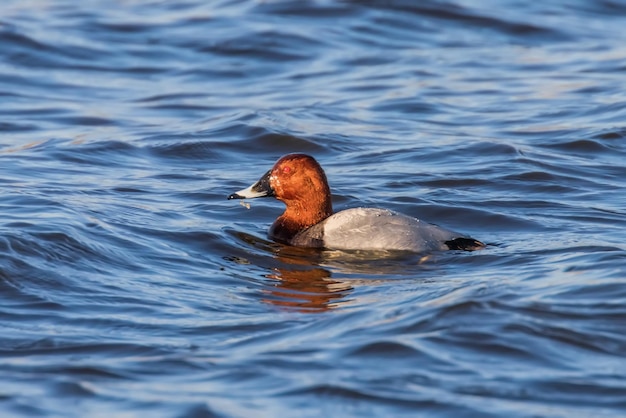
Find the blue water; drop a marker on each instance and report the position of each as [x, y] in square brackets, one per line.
[130, 286]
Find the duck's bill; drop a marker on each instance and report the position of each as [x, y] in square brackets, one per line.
[261, 188]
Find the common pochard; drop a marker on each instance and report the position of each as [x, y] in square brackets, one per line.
[308, 221]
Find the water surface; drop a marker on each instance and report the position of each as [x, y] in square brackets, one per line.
[130, 286]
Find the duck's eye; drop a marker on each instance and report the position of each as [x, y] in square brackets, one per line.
[286, 169]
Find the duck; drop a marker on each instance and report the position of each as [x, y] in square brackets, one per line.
[299, 181]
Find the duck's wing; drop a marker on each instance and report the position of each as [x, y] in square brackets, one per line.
[377, 229]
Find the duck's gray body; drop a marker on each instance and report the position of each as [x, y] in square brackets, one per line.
[375, 229]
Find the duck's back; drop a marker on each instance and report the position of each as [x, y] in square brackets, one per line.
[375, 229]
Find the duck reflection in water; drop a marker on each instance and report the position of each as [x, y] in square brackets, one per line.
[297, 281]
[310, 290]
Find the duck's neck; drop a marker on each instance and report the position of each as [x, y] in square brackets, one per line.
[299, 216]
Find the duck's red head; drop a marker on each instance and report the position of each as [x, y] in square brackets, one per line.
[300, 182]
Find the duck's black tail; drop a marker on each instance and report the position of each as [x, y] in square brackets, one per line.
[465, 244]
